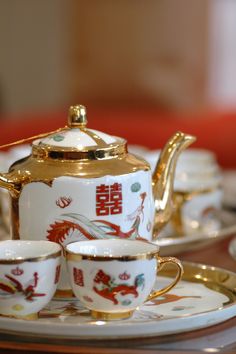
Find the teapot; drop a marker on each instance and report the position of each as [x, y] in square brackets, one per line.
[80, 183]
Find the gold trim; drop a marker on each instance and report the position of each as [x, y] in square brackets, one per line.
[44, 151]
[47, 170]
[215, 278]
[64, 294]
[162, 261]
[77, 116]
[98, 140]
[163, 178]
[29, 317]
[110, 316]
[71, 256]
[31, 259]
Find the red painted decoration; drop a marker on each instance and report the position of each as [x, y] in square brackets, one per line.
[17, 271]
[57, 274]
[14, 286]
[110, 290]
[63, 202]
[78, 276]
[109, 199]
[124, 276]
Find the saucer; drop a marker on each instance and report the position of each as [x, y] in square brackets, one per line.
[204, 297]
[175, 245]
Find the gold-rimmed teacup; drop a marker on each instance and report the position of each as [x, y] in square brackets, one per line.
[114, 277]
[29, 273]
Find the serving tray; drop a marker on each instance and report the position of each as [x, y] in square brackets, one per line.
[205, 296]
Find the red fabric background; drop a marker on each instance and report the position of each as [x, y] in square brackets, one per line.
[150, 128]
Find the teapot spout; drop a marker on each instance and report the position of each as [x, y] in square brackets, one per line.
[163, 178]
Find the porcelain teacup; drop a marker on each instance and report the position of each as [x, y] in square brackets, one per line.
[197, 193]
[114, 277]
[29, 273]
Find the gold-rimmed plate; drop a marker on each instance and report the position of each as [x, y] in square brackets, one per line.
[175, 245]
[204, 297]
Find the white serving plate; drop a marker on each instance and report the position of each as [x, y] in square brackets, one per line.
[206, 296]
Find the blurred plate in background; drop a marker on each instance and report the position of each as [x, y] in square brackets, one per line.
[176, 245]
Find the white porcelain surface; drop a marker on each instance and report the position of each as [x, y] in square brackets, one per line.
[112, 248]
[176, 245]
[75, 138]
[29, 274]
[71, 209]
[198, 215]
[19, 249]
[191, 306]
[73, 199]
[114, 283]
[7, 158]
[116, 294]
[197, 171]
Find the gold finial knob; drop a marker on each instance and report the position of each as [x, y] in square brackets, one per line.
[77, 116]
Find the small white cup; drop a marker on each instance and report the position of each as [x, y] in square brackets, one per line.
[197, 193]
[113, 277]
[29, 273]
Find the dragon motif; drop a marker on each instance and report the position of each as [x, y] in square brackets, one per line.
[105, 286]
[13, 287]
[94, 229]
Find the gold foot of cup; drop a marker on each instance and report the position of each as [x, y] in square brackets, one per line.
[110, 316]
[64, 294]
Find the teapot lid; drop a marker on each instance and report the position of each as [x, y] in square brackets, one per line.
[76, 141]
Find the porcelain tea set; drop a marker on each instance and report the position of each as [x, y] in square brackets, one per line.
[198, 192]
[82, 192]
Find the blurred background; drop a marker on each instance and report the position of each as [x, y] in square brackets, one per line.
[177, 55]
[162, 65]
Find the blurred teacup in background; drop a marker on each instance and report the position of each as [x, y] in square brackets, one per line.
[29, 274]
[6, 160]
[114, 277]
[198, 192]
